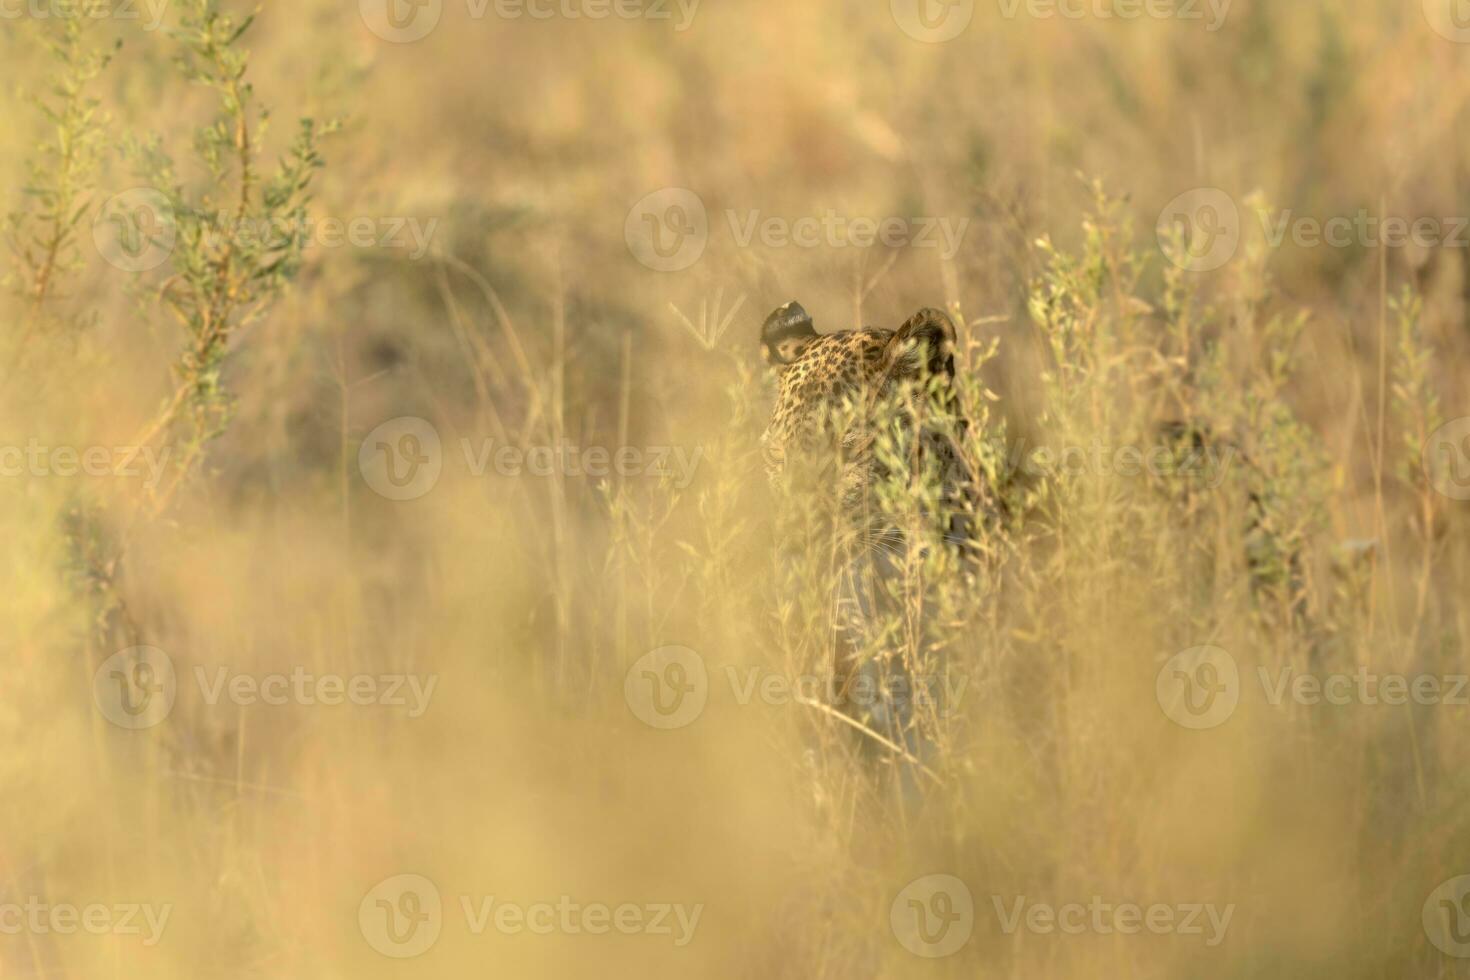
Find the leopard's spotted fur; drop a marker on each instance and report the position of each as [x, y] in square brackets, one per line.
[838, 391]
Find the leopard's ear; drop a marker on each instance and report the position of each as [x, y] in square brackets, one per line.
[785, 335]
[922, 347]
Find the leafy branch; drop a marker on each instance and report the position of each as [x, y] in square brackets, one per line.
[238, 240]
[61, 175]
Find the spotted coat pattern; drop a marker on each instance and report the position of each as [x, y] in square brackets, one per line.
[856, 371]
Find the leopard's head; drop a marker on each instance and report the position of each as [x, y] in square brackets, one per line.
[840, 392]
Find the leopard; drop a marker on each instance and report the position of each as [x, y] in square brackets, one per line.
[851, 407]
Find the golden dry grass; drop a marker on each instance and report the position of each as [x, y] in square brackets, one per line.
[527, 599]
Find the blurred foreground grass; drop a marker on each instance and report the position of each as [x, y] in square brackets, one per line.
[490, 289]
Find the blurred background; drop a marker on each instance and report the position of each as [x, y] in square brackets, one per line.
[564, 239]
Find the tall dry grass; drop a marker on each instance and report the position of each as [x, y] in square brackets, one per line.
[1054, 774]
